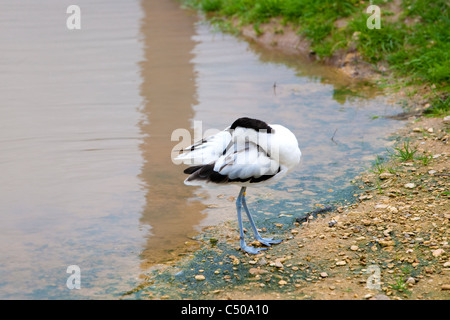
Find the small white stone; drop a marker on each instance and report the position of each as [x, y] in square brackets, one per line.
[393, 209]
[410, 185]
[385, 175]
[436, 253]
[447, 119]
[411, 280]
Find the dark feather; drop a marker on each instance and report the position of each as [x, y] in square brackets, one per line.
[207, 173]
[255, 124]
[191, 170]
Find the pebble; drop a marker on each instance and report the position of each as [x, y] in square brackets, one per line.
[234, 260]
[354, 248]
[278, 264]
[393, 209]
[365, 197]
[411, 280]
[200, 277]
[386, 243]
[324, 274]
[282, 282]
[262, 262]
[445, 287]
[385, 175]
[256, 271]
[341, 263]
[380, 297]
[410, 185]
[436, 253]
[447, 119]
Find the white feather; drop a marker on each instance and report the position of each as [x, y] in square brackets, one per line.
[245, 160]
[245, 153]
[206, 151]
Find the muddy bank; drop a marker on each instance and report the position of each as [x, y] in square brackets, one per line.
[286, 38]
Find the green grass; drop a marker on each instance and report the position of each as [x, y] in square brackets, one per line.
[416, 46]
[378, 165]
[404, 152]
[399, 284]
[381, 165]
[425, 159]
[440, 106]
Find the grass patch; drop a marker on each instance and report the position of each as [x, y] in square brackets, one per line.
[404, 152]
[440, 106]
[378, 166]
[425, 159]
[399, 284]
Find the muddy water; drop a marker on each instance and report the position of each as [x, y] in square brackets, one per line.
[86, 118]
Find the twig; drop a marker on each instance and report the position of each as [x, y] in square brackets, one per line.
[332, 138]
[442, 174]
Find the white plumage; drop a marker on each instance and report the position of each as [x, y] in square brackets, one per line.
[243, 155]
[250, 152]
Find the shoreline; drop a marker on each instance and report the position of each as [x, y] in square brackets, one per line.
[395, 234]
[286, 39]
[391, 243]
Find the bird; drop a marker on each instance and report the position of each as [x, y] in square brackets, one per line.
[249, 153]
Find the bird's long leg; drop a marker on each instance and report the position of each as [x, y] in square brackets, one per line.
[264, 241]
[244, 247]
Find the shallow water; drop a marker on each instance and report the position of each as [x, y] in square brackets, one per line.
[86, 118]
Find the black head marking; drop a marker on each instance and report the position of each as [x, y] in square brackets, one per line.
[255, 124]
